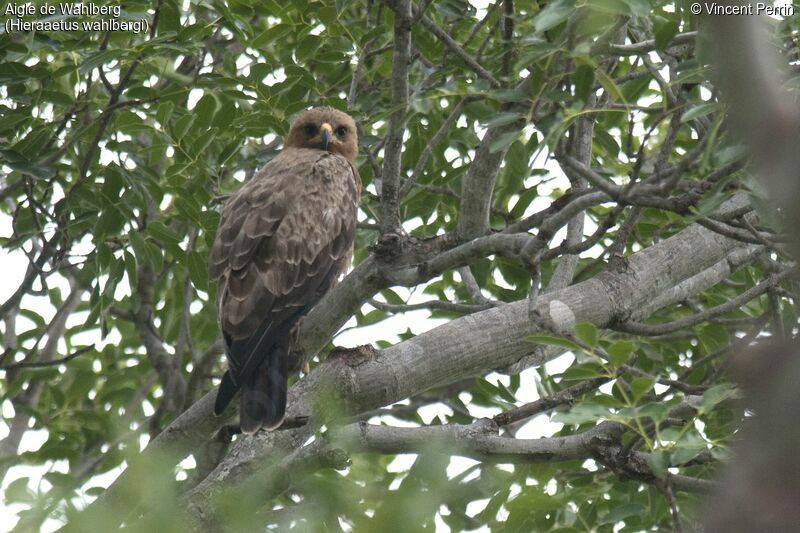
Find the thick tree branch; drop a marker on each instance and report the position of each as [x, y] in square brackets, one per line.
[479, 441]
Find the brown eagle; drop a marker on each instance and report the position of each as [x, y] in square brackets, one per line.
[283, 241]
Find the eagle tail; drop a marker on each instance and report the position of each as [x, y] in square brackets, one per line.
[227, 390]
[263, 401]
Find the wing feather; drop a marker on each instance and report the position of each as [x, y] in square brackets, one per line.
[284, 239]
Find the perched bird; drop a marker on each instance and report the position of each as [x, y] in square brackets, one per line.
[283, 241]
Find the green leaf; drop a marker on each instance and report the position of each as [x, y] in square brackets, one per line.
[505, 140]
[639, 8]
[658, 411]
[373, 317]
[554, 341]
[607, 142]
[271, 35]
[582, 413]
[584, 371]
[204, 111]
[131, 123]
[609, 85]
[506, 394]
[509, 95]
[665, 32]
[189, 208]
[587, 332]
[198, 272]
[130, 267]
[584, 80]
[713, 337]
[622, 512]
[501, 119]
[13, 71]
[640, 386]
[619, 352]
[714, 396]
[658, 461]
[203, 141]
[700, 111]
[97, 59]
[139, 246]
[181, 126]
[553, 14]
[163, 233]
[684, 454]
[17, 491]
[164, 112]
[392, 297]
[612, 7]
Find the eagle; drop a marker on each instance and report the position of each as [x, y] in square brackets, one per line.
[284, 239]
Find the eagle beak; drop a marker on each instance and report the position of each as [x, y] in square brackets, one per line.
[326, 133]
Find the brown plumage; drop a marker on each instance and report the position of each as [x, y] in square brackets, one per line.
[283, 241]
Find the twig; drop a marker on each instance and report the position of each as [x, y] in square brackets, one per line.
[565, 396]
[638, 328]
[430, 304]
[433, 143]
[55, 362]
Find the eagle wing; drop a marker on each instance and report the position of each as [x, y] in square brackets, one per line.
[283, 241]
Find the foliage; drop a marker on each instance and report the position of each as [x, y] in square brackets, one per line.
[119, 148]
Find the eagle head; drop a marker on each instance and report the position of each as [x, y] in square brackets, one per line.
[324, 128]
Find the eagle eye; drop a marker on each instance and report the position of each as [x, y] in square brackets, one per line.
[310, 129]
[341, 131]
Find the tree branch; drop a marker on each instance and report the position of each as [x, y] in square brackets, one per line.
[392, 160]
[166, 365]
[448, 41]
[478, 184]
[676, 325]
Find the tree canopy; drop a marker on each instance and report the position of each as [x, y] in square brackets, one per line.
[542, 181]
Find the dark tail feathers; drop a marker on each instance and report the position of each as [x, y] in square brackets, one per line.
[227, 390]
[263, 401]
